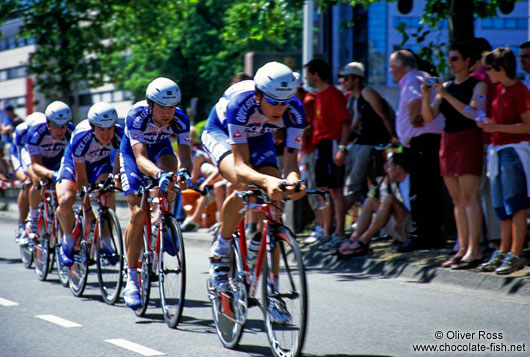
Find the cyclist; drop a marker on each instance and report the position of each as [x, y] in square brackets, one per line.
[88, 159]
[46, 142]
[238, 137]
[21, 162]
[146, 151]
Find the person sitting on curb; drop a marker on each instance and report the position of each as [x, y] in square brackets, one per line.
[392, 210]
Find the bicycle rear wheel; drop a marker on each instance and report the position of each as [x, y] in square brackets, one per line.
[144, 278]
[172, 272]
[287, 337]
[229, 309]
[42, 251]
[110, 262]
[79, 270]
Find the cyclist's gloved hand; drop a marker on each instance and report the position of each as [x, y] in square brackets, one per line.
[184, 179]
[55, 177]
[164, 180]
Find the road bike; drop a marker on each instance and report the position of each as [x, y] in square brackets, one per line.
[278, 252]
[163, 256]
[46, 243]
[102, 245]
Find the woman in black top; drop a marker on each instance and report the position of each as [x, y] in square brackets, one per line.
[461, 149]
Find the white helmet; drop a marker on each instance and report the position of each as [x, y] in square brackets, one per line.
[103, 115]
[164, 92]
[58, 113]
[34, 118]
[276, 81]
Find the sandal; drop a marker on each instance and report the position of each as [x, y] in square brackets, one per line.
[359, 248]
[451, 261]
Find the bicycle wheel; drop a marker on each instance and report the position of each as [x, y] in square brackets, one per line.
[42, 250]
[110, 261]
[79, 270]
[144, 278]
[62, 271]
[286, 337]
[53, 240]
[229, 309]
[172, 272]
[26, 254]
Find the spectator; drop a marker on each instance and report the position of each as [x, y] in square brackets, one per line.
[371, 120]
[203, 174]
[391, 208]
[479, 71]
[508, 159]
[330, 134]
[524, 60]
[7, 125]
[421, 142]
[461, 151]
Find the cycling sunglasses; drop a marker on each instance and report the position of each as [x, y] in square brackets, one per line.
[57, 126]
[276, 102]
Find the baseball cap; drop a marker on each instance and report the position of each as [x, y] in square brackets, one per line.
[9, 106]
[355, 68]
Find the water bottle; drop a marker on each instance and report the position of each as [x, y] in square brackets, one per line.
[204, 219]
[481, 109]
[253, 249]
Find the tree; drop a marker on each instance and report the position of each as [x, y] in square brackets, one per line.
[198, 43]
[69, 38]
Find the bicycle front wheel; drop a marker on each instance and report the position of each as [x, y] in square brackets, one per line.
[144, 277]
[42, 251]
[62, 271]
[229, 308]
[109, 257]
[26, 254]
[79, 270]
[172, 272]
[285, 297]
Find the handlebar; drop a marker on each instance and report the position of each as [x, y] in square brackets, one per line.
[105, 186]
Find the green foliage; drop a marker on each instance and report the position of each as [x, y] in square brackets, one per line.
[198, 43]
[69, 37]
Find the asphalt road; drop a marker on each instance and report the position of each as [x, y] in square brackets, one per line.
[349, 315]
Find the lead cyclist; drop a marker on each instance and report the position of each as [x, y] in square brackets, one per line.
[238, 138]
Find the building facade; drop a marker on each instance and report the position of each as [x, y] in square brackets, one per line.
[19, 89]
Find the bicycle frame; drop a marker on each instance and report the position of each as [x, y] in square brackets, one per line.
[49, 200]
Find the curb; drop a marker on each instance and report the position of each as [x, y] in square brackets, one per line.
[422, 273]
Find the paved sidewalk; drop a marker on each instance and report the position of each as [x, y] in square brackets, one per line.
[421, 266]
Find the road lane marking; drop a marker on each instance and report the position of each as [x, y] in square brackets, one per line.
[134, 347]
[58, 320]
[5, 302]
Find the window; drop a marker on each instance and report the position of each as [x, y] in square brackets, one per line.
[509, 23]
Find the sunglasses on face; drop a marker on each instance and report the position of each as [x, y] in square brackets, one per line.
[58, 126]
[277, 102]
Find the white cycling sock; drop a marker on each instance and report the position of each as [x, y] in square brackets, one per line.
[33, 213]
[133, 276]
[222, 246]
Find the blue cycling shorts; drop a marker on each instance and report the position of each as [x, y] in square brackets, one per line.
[131, 176]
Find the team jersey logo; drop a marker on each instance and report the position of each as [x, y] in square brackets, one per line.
[298, 138]
[136, 136]
[187, 139]
[237, 134]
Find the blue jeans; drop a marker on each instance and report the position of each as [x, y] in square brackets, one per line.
[508, 188]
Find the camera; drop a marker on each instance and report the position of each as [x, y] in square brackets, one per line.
[430, 82]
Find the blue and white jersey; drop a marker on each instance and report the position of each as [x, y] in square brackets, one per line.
[237, 113]
[40, 142]
[140, 128]
[84, 147]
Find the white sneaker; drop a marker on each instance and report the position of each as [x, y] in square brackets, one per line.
[189, 226]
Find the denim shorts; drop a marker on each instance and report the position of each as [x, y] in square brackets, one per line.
[508, 188]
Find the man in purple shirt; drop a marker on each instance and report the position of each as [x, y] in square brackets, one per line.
[421, 143]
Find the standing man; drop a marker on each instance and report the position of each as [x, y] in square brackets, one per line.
[330, 133]
[421, 143]
[371, 126]
[524, 59]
